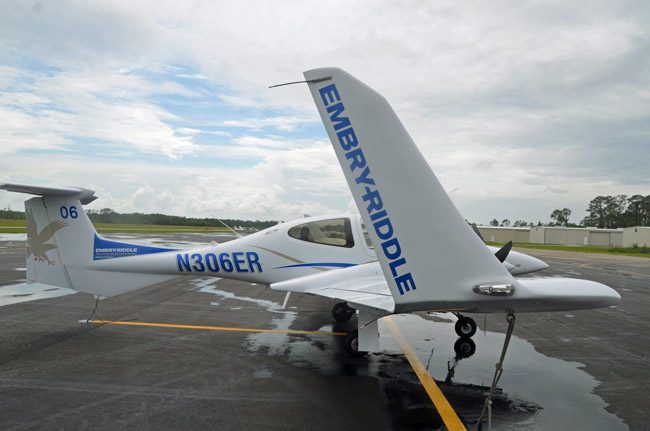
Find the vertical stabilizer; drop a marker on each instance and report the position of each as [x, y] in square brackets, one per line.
[44, 260]
[63, 245]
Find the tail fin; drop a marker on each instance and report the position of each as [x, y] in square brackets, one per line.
[62, 243]
[58, 230]
[427, 251]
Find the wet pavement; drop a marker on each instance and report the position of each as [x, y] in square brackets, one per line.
[576, 370]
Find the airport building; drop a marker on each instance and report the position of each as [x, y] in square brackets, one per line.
[566, 235]
[576, 236]
[637, 235]
[503, 234]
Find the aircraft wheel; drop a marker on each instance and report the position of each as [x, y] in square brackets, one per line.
[465, 327]
[464, 348]
[352, 344]
[341, 312]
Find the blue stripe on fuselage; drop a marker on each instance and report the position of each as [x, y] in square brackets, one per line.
[107, 249]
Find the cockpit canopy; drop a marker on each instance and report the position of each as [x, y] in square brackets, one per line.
[336, 232]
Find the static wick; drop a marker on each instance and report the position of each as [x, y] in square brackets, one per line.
[301, 82]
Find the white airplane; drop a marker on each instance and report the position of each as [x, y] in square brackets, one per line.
[64, 249]
[426, 257]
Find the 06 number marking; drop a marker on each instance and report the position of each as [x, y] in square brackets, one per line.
[68, 212]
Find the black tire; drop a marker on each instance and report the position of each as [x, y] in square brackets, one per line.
[341, 312]
[464, 348]
[352, 344]
[465, 327]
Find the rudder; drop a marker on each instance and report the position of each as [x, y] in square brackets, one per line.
[59, 235]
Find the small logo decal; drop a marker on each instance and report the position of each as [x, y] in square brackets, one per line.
[37, 241]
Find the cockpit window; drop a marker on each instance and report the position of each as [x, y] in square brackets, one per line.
[366, 235]
[337, 232]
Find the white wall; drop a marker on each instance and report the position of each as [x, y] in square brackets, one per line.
[639, 235]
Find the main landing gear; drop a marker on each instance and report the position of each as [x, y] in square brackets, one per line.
[352, 344]
[342, 312]
[465, 326]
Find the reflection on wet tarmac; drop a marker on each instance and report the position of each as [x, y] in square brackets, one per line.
[535, 392]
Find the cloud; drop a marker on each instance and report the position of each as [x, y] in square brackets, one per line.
[285, 124]
[509, 102]
[290, 181]
[41, 110]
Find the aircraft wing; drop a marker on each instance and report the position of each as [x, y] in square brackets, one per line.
[430, 257]
[359, 286]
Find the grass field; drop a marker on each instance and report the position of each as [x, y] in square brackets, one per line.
[635, 251]
[18, 226]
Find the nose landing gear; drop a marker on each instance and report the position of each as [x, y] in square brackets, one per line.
[465, 326]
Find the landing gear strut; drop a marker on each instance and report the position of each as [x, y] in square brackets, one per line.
[510, 318]
[342, 312]
[465, 326]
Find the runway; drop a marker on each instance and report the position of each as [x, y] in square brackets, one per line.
[212, 353]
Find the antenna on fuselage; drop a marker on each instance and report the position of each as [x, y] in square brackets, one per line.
[228, 227]
[272, 215]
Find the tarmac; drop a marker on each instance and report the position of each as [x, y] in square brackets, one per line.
[206, 353]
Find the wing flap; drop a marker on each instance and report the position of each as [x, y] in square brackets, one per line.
[362, 285]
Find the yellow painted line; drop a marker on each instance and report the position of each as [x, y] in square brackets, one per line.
[217, 328]
[447, 413]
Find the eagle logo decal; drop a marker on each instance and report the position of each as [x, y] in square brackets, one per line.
[37, 241]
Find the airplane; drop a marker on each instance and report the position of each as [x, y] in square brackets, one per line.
[64, 249]
[425, 256]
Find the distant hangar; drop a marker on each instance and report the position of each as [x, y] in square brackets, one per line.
[568, 235]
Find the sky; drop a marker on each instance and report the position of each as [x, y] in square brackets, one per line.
[163, 106]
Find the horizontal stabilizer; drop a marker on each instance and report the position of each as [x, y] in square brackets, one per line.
[84, 195]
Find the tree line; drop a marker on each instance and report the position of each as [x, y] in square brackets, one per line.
[107, 215]
[605, 212]
[612, 212]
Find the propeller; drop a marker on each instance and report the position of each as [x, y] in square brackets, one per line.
[502, 253]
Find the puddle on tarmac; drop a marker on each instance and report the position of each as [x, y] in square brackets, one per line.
[282, 319]
[536, 392]
[13, 237]
[23, 292]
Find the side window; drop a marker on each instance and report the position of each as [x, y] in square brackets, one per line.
[337, 232]
[366, 236]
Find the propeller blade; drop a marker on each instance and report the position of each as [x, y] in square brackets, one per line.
[502, 253]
